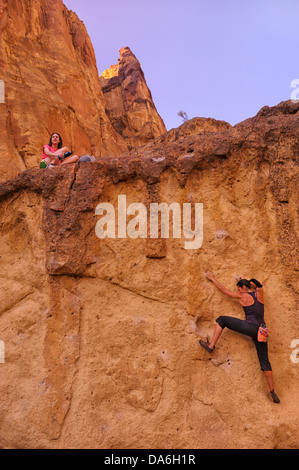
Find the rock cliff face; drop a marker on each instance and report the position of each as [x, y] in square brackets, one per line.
[101, 335]
[48, 66]
[129, 102]
[47, 63]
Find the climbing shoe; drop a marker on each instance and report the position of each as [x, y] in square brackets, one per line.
[274, 397]
[205, 345]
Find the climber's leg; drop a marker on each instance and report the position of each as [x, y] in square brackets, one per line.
[235, 324]
[262, 352]
[217, 332]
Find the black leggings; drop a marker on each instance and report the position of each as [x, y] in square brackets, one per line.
[248, 329]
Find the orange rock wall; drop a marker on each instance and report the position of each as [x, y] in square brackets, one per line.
[101, 335]
[51, 82]
[49, 70]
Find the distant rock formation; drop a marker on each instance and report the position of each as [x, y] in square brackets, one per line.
[128, 101]
[48, 67]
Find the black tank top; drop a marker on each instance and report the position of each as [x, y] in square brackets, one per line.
[255, 313]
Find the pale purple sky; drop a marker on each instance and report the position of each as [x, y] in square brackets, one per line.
[224, 59]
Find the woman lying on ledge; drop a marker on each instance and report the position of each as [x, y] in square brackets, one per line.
[53, 153]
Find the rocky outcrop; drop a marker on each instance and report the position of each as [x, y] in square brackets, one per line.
[101, 335]
[49, 70]
[51, 84]
[129, 102]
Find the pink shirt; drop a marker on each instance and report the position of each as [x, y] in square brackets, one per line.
[49, 148]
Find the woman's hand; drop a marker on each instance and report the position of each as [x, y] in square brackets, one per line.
[230, 293]
[210, 275]
[62, 151]
[238, 277]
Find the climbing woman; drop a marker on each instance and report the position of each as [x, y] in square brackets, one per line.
[250, 296]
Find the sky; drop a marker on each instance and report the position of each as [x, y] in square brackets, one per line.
[223, 59]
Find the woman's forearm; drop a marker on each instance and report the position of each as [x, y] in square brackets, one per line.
[218, 284]
[53, 154]
[223, 289]
[212, 278]
[57, 153]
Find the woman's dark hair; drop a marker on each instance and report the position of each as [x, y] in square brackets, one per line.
[244, 282]
[257, 283]
[60, 140]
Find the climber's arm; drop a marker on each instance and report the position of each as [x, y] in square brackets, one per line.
[224, 290]
[56, 154]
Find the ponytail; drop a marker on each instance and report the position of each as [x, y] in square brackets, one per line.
[255, 282]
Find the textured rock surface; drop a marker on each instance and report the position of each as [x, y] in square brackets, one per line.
[48, 66]
[101, 336]
[47, 63]
[129, 102]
